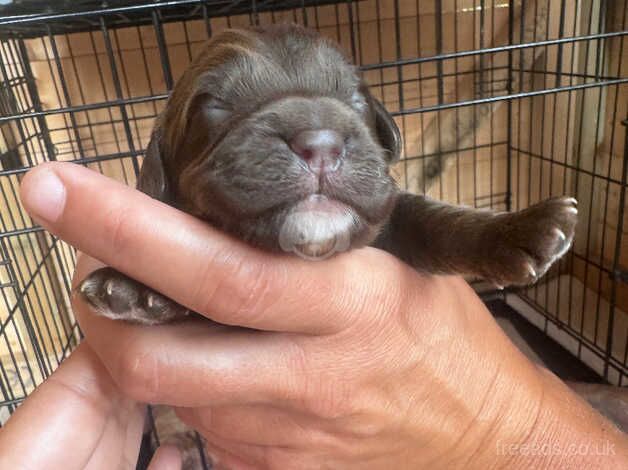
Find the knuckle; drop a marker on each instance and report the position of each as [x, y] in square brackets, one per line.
[116, 230]
[137, 374]
[318, 390]
[251, 278]
[294, 369]
[328, 399]
[201, 419]
[298, 360]
[242, 287]
[378, 298]
[280, 458]
[256, 283]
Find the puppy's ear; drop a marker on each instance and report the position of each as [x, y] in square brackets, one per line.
[152, 179]
[387, 130]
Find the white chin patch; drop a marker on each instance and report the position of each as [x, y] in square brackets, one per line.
[317, 228]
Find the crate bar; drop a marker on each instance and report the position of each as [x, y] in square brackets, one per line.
[86, 107]
[43, 18]
[494, 50]
[514, 96]
[163, 51]
[34, 94]
[118, 88]
[618, 239]
[620, 212]
[510, 91]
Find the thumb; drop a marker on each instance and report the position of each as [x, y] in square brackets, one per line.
[203, 269]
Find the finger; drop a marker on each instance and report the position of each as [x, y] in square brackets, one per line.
[167, 457]
[262, 425]
[199, 267]
[228, 455]
[200, 363]
[224, 460]
[62, 423]
[119, 444]
[192, 363]
[197, 363]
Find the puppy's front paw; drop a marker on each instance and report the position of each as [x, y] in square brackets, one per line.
[116, 296]
[525, 244]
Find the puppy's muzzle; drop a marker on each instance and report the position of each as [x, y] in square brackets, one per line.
[321, 149]
[317, 228]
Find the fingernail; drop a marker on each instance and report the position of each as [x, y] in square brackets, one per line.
[44, 197]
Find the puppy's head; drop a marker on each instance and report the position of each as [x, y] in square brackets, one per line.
[272, 136]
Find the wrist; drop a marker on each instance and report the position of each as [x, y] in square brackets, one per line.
[568, 433]
[552, 428]
[492, 407]
[512, 408]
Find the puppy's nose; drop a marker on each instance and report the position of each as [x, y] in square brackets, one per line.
[320, 149]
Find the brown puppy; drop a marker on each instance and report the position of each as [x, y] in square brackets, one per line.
[272, 136]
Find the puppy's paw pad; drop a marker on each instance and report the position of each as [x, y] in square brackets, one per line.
[534, 239]
[554, 233]
[523, 270]
[110, 293]
[116, 296]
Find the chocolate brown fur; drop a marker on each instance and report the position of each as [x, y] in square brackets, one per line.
[221, 151]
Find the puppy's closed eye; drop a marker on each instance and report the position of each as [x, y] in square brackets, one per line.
[216, 111]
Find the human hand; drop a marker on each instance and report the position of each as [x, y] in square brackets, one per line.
[356, 362]
[78, 419]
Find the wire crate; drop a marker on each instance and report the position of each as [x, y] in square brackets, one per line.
[501, 103]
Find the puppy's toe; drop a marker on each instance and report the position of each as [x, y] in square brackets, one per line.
[530, 241]
[113, 295]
